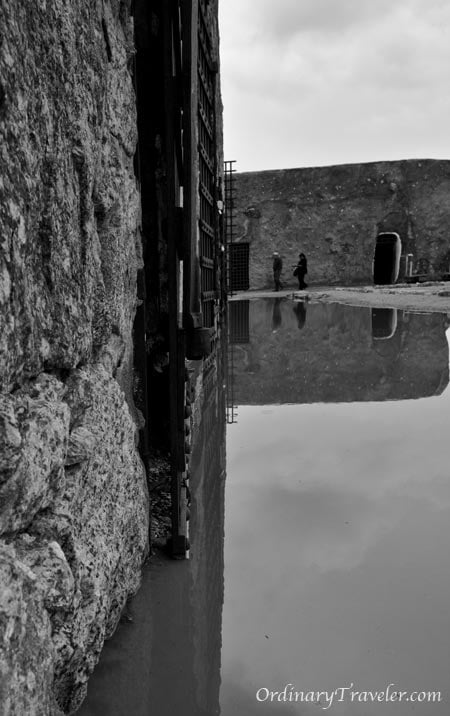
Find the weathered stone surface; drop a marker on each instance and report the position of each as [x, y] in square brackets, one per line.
[333, 214]
[79, 534]
[10, 438]
[47, 561]
[35, 428]
[27, 653]
[81, 445]
[101, 523]
[73, 500]
[68, 199]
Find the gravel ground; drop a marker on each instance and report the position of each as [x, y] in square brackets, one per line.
[428, 297]
[159, 492]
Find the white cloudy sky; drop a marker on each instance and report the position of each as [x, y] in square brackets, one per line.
[317, 82]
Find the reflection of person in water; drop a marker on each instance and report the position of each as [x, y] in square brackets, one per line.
[300, 311]
[276, 314]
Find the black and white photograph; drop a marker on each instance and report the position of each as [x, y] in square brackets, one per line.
[224, 357]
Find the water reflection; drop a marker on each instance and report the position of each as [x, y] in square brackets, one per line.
[345, 564]
[337, 567]
[384, 322]
[166, 660]
[300, 313]
[276, 314]
[340, 354]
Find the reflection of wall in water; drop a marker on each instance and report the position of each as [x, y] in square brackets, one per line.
[168, 660]
[335, 353]
[206, 534]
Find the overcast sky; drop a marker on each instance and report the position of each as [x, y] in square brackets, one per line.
[317, 82]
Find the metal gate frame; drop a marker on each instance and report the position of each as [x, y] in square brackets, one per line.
[192, 219]
[238, 262]
[173, 32]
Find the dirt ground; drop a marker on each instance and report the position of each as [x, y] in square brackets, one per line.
[428, 297]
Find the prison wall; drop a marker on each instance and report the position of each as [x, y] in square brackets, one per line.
[334, 214]
[73, 495]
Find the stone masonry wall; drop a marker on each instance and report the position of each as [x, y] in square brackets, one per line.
[73, 496]
[333, 214]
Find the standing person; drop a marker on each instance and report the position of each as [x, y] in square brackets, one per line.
[277, 267]
[301, 270]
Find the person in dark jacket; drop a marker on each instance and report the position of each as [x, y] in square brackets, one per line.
[301, 270]
[277, 268]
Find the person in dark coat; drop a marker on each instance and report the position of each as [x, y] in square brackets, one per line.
[277, 268]
[301, 270]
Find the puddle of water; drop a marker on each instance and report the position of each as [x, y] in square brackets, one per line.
[337, 567]
[286, 352]
[166, 661]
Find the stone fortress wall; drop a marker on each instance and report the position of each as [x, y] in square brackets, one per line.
[334, 214]
[73, 494]
[89, 287]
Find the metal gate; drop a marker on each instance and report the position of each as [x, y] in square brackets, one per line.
[206, 70]
[230, 195]
[238, 278]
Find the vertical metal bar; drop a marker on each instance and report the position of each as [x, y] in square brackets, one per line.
[176, 389]
[192, 308]
[229, 213]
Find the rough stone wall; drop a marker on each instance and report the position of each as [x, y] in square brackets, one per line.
[333, 214]
[73, 496]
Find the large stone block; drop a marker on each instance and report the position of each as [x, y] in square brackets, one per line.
[73, 497]
[27, 653]
[34, 430]
[101, 523]
[69, 204]
[74, 511]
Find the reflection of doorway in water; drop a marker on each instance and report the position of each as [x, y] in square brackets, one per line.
[238, 321]
[384, 323]
[386, 260]
[447, 335]
[238, 267]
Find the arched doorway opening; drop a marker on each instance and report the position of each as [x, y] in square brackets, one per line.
[386, 260]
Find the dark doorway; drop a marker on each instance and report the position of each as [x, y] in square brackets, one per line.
[238, 276]
[386, 260]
